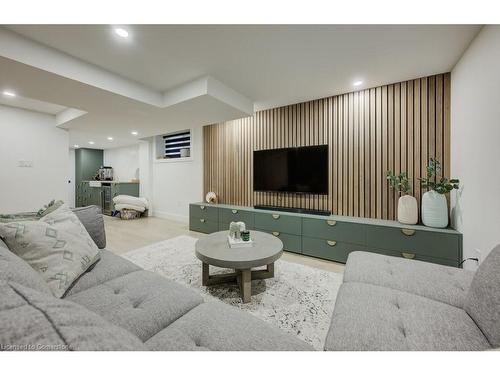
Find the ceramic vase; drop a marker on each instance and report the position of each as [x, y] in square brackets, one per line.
[407, 210]
[434, 210]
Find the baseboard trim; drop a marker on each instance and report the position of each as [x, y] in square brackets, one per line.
[166, 215]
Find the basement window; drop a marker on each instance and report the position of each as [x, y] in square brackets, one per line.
[174, 146]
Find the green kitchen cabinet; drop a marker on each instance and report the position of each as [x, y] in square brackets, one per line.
[87, 163]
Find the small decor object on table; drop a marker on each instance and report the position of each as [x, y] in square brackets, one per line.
[407, 204]
[236, 243]
[434, 205]
[245, 235]
[236, 232]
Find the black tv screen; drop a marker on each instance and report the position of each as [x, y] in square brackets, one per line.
[293, 170]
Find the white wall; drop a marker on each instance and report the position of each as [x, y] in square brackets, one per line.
[146, 172]
[32, 137]
[175, 184]
[475, 143]
[125, 162]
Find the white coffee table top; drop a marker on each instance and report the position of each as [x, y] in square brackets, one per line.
[214, 249]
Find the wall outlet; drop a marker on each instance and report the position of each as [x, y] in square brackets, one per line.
[25, 163]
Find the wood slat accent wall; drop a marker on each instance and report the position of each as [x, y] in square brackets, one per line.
[397, 126]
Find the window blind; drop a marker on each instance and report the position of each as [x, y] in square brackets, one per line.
[175, 142]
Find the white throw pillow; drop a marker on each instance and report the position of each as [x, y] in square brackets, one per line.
[57, 246]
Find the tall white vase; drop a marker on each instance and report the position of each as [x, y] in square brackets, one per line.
[407, 210]
[434, 210]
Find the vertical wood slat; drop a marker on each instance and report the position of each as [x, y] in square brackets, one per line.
[398, 127]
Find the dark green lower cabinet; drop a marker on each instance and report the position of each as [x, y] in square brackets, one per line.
[335, 237]
[329, 249]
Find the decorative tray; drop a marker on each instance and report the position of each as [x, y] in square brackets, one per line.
[233, 243]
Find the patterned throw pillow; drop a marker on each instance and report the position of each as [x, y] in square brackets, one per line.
[57, 246]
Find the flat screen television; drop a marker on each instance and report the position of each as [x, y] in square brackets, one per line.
[293, 170]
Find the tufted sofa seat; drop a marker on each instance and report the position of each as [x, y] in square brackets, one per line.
[116, 305]
[444, 284]
[387, 303]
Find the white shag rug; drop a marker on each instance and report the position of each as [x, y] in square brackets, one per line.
[299, 299]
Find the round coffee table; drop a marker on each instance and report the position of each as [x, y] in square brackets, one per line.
[214, 250]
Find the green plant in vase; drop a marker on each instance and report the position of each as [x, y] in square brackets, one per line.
[434, 204]
[407, 204]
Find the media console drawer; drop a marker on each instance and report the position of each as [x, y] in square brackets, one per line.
[291, 242]
[329, 249]
[414, 256]
[226, 215]
[204, 212]
[423, 242]
[328, 228]
[202, 225]
[278, 222]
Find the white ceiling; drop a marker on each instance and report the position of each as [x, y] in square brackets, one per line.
[32, 104]
[270, 65]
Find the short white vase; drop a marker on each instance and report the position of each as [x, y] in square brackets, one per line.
[407, 210]
[434, 210]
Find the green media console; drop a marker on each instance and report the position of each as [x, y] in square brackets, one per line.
[334, 237]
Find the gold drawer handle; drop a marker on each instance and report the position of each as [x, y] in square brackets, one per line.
[408, 232]
[331, 243]
[202, 207]
[331, 222]
[202, 220]
[276, 234]
[408, 255]
[276, 216]
[234, 211]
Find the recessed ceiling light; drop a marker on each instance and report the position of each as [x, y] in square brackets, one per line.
[134, 132]
[9, 93]
[110, 138]
[358, 83]
[91, 142]
[121, 32]
[76, 146]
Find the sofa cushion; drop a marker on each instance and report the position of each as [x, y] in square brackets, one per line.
[92, 220]
[30, 320]
[483, 300]
[371, 317]
[109, 267]
[13, 268]
[57, 246]
[142, 302]
[445, 284]
[216, 326]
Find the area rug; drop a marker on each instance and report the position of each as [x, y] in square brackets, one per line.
[299, 299]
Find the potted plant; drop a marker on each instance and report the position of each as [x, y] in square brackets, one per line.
[434, 205]
[407, 204]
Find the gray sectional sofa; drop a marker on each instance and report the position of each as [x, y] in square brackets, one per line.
[388, 303]
[118, 306]
[385, 303]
